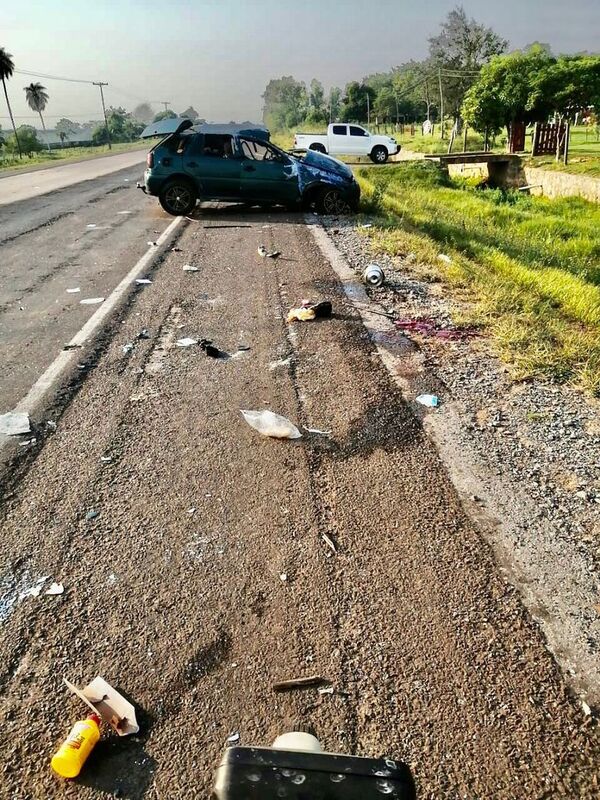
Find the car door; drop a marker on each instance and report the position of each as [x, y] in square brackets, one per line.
[267, 174]
[339, 141]
[360, 141]
[211, 162]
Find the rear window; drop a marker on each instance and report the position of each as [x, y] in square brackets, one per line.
[340, 130]
[176, 143]
[354, 131]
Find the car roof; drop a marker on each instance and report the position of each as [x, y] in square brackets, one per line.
[180, 124]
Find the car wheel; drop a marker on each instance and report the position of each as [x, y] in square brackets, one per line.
[379, 155]
[318, 147]
[178, 198]
[331, 201]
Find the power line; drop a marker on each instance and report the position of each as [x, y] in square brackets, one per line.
[51, 77]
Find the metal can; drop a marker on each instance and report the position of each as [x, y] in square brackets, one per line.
[373, 275]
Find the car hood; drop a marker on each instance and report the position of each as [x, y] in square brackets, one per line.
[327, 164]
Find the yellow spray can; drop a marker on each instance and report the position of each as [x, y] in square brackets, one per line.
[70, 757]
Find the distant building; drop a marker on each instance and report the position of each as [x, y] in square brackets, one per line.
[78, 138]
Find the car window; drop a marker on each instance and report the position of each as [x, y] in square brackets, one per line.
[176, 143]
[354, 131]
[339, 130]
[258, 151]
[217, 146]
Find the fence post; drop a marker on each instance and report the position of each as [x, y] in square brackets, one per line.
[566, 145]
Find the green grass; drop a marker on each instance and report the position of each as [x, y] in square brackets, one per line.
[63, 155]
[531, 265]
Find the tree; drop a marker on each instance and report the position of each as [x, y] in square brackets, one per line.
[167, 114]
[190, 113]
[143, 113]
[62, 135]
[7, 67]
[67, 126]
[357, 99]
[37, 100]
[24, 140]
[530, 87]
[316, 102]
[334, 103]
[285, 103]
[459, 51]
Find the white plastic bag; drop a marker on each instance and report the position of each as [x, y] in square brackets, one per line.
[270, 424]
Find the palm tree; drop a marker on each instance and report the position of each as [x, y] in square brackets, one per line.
[37, 98]
[7, 67]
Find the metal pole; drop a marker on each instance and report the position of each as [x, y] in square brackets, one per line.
[441, 104]
[165, 103]
[100, 84]
[368, 109]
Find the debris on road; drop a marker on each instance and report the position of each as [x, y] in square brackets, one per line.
[211, 350]
[70, 757]
[34, 591]
[308, 311]
[112, 707]
[233, 738]
[264, 253]
[270, 424]
[106, 459]
[329, 542]
[326, 690]
[283, 576]
[190, 268]
[28, 442]
[55, 589]
[143, 281]
[428, 326]
[429, 400]
[152, 244]
[14, 423]
[208, 227]
[91, 301]
[144, 334]
[299, 683]
[91, 225]
[187, 341]
[373, 275]
[127, 348]
[92, 514]
[366, 225]
[317, 431]
[72, 347]
[73, 291]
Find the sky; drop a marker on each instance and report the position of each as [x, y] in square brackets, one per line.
[218, 55]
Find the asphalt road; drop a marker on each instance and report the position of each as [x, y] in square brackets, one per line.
[173, 589]
[25, 185]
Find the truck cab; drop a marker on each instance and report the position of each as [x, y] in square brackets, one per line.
[348, 139]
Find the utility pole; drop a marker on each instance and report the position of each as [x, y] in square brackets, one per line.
[100, 84]
[368, 109]
[441, 104]
[166, 103]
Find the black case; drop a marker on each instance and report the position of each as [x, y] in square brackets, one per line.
[260, 773]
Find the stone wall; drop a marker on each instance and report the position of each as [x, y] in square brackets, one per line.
[562, 184]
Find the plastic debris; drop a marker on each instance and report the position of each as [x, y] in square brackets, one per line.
[270, 424]
[373, 275]
[91, 225]
[429, 400]
[55, 589]
[152, 244]
[127, 348]
[367, 225]
[283, 576]
[14, 423]
[233, 738]
[329, 542]
[443, 257]
[186, 342]
[586, 709]
[28, 442]
[190, 268]
[317, 430]
[91, 301]
[143, 334]
[211, 350]
[106, 459]
[326, 690]
[299, 683]
[34, 591]
[309, 310]
[191, 510]
[143, 281]
[92, 514]
[264, 253]
[73, 291]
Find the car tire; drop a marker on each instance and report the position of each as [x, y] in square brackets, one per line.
[318, 147]
[331, 201]
[178, 198]
[379, 154]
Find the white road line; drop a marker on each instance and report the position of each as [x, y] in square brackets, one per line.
[36, 394]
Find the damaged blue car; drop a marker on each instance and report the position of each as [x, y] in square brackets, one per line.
[240, 164]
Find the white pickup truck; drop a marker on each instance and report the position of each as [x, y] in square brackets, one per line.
[348, 140]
